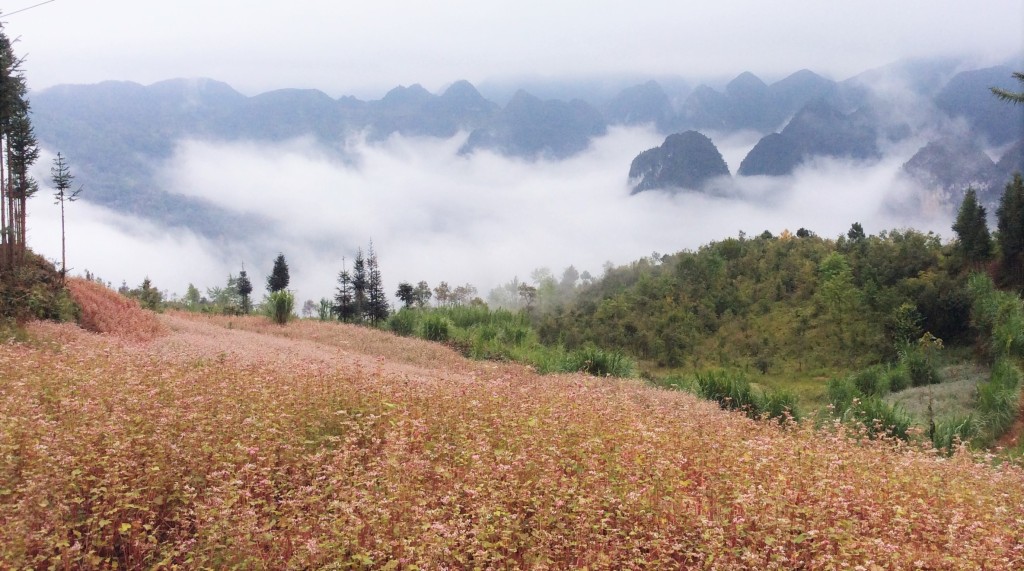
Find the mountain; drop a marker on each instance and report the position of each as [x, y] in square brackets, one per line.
[951, 165]
[685, 160]
[414, 111]
[748, 103]
[641, 104]
[532, 128]
[968, 96]
[819, 129]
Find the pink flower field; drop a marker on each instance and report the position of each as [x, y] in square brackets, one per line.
[234, 443]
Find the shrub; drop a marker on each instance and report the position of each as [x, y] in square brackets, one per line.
[880, 418]
[841, 394]
[281, 304]
[436, 328]
[872, 381]
[897, 378]
[778, 404]
[950, 431]
[920, 369]
[599, 363]
[730, 391]
[403, 322]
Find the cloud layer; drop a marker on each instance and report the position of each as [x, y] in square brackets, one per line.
[484, 219]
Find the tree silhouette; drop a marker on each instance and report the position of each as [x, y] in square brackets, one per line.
[62, 179]
[244, 287]
[278, 278]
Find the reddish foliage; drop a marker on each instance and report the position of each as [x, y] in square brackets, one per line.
[106, 311]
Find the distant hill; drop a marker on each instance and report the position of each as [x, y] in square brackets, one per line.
[967, 96]
[118, 133]
[819, 129]
[532, 128]
[685, 160]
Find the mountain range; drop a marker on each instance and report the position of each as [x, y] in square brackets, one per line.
[118, 132]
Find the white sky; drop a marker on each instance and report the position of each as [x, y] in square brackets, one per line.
[486, 219]
[366, 48]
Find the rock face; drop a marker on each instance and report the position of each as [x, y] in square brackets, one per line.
[531, 128]
[950, 165]
[817, 130]
[685, 160]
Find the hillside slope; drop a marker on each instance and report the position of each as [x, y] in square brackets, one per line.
[232, 443]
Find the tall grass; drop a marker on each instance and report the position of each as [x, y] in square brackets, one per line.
[732, 391]
[281, 306]
[481, 333]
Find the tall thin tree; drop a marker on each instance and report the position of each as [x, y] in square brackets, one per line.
[359, 286]
[62, 179]
[377, 301]
[344, 307]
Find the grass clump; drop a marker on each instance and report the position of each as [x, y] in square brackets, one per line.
[732, 391]
[599, 363]
[281, 306]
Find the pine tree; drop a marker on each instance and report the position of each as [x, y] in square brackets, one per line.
[344, 303]
[377, 309]
[1010, 215]
[244, 287]
[18, 152]
[974, 243]
[278, 278]
[359, 286]
[62, 179]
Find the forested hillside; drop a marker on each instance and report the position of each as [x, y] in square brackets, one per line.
[773, 303]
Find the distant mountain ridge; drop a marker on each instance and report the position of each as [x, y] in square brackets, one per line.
[117, 132]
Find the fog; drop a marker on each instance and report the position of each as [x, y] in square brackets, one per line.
[434, 215]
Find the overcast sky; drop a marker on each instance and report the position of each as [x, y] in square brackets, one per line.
[436, 216]
[364, 48]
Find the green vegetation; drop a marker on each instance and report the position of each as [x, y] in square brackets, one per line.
[481, 333]
[32, 290]
[280, 306]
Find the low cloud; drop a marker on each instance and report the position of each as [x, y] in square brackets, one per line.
[434, 215]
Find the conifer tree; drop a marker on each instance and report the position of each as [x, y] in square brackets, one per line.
[244, 287]
[359, 286]
[1010, 215]
[974, 242]
[278, 278]
[377, 309]
[344, 302]
[18, 152]
[62, 179]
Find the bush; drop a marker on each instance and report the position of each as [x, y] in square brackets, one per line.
[880, 418]
[599, 363]
[872, 381]
[948, 432]
[778, 404]
[919, 367]
[280, 305]
[403, 323]
[730, 391]
[897, 378]
[841, 394]
[436, 328]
